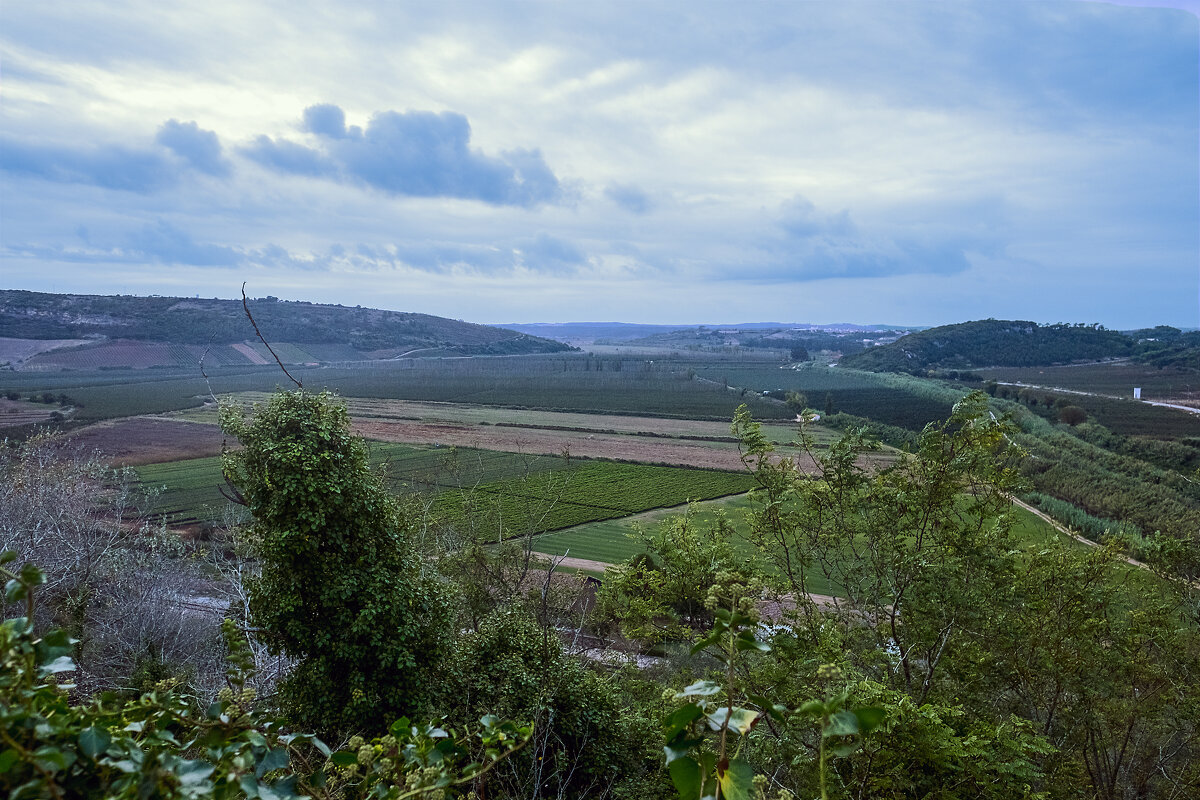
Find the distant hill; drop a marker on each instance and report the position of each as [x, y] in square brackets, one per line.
[155, 331]
[1165, 346]
[991, 342]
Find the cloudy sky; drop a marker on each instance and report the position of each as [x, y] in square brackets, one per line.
[902, 162]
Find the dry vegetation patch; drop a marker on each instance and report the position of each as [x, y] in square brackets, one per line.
[134, 441]
[23, 412]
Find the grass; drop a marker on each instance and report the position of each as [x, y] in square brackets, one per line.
[614, 541]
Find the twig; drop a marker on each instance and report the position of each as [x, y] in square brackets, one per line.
[204, 374]
[249, 316]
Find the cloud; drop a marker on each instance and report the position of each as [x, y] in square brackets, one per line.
[629, 198]
[548, 253]
[200, 148]
[167, 244]
[109, 166]
[414, 153]
[106, 166]
[808, 244]
[284, 156]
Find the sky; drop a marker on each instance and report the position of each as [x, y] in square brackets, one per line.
[914, 163]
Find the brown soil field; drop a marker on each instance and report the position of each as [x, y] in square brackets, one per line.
[134, 441]
[22, 412]
[544, 442]
[16, 351]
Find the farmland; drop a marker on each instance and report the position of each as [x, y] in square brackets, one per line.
[577, 383]
[615, 541]
[512, 489]
[862, 394]
[1113, 378]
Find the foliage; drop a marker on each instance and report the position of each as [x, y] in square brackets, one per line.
[339, 589]
[662, 593]
[165, 744]
[990, 342]
[701, 768]
[202, 322]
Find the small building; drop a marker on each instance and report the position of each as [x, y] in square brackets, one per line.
[1137, 393]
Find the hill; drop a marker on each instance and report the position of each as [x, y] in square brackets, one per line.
[151, 331]
[1165, 346]
[991, 342]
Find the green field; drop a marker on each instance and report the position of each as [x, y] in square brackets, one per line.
[495, 491]
[613, 541]
[563, 383]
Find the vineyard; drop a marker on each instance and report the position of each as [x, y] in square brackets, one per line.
[498, 491]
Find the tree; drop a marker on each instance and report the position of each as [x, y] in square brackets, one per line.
[1072, 415]
[339, 589]
[799, 353]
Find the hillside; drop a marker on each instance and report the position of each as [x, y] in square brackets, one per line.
[151, 331]
[1168, 347]
[991, 342]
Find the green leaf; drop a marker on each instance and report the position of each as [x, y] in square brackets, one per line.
[700, 689]
[8, 758]
[870, 717]
[273, 760]
[94, 741]
[680, 719]
[843, 723]
[845, 749]
[775, 710]
[737, 780]
[686, 775]
[14, 591]
[812, 708]
[343, 759]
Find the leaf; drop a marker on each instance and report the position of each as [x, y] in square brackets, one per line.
[60, 664]
[686, 775]
[845, 749]
[742, 720]
[843, 723]
[775, 710]
[680, 719]
[737, 780]
[273, 760]
[812, 708]
[700, 689]
[343, 759]
[14, 591]
[93, 741]
[870, 717]
[7, 759]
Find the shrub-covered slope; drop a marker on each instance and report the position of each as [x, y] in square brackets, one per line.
[991, 342]
[177, 320]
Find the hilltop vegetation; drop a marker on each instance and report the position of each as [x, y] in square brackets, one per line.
[992, 342]
[324, 332]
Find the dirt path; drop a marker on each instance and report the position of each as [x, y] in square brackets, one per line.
[1064, 529]
[574, 563]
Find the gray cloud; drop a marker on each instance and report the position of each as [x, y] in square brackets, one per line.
[200, 148]
[413, 153]
[164, 243]
[629, 198]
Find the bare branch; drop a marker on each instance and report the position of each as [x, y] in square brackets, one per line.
[249, 316]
